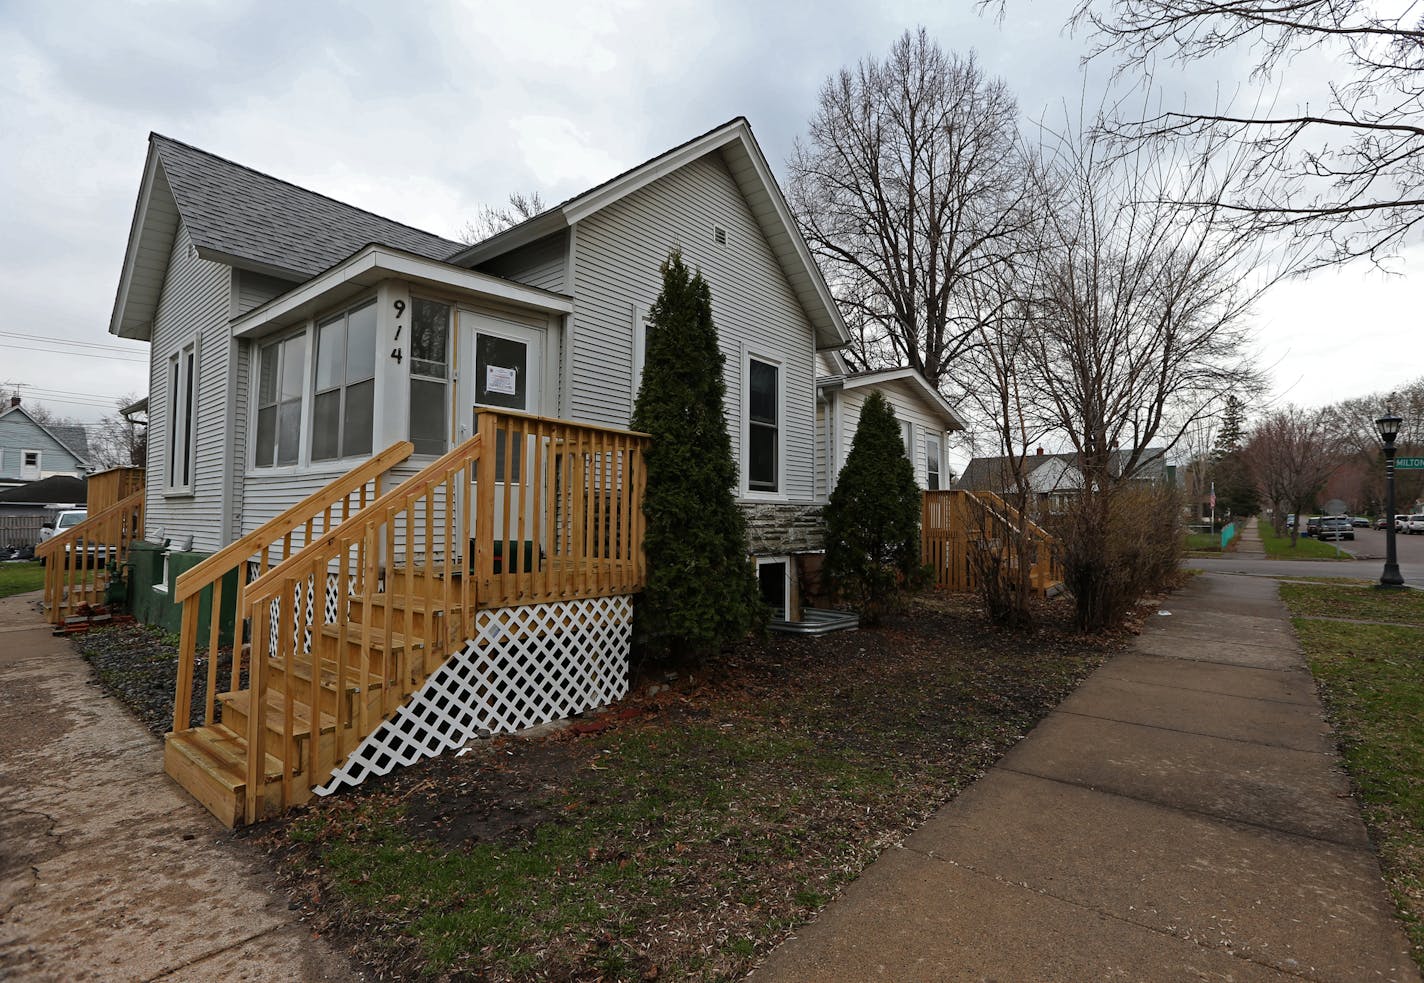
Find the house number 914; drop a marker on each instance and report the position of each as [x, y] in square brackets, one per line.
[396, 351]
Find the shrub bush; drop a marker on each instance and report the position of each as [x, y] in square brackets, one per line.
[1119, 545]
[873, 518]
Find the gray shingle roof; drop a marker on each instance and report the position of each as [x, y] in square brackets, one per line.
[232, 209]
[995, 474]
[57, 488]
[75, 437]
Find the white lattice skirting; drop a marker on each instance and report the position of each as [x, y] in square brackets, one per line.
[525, 666]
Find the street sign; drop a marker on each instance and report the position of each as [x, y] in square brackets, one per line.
[1410, 463]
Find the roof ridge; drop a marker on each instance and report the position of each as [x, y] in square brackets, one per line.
[155, 135]
[612, 180]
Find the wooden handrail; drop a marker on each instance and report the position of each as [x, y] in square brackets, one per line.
[946, 529]
[562, 521]
[111, 530]
[409, 489]
[312, 514]
[220, 563]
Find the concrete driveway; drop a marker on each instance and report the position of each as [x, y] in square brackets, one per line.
[108, 870]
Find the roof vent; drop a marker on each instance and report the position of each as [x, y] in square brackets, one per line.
[719, 235]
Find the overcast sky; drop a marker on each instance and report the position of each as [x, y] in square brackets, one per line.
[422, 112]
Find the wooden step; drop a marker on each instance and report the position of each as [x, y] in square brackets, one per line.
[357, 633]
[409, 614]
[211, 764]
[237, 709]
[300, 683]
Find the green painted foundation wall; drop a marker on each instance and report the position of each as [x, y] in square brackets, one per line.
[154, 607]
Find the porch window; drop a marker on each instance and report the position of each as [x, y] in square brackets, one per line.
[182, 368]
[429, 376]
[343, 410]
[281, 369]
[763, 413]
[932, 461]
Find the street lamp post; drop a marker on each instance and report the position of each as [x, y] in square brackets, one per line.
[1388, 426]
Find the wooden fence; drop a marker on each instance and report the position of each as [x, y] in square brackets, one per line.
[22, 530]
[955, 525]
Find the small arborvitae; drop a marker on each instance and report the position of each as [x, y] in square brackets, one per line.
[873, 517]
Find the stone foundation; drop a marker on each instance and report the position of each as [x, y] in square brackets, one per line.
[781, 528]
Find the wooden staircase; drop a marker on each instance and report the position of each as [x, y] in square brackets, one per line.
[357, 599]
[955, 524]
[361, 669]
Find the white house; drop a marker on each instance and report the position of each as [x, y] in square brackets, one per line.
[926, 419]
[305, 352]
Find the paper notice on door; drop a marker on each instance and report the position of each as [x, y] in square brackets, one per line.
[501, 380]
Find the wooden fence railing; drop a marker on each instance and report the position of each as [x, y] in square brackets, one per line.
[266, 546]
[956, 523]
[78, 560]
[530, 509]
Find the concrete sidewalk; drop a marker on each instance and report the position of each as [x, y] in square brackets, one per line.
[1182, 816]
[1249, 543]
[108, 871]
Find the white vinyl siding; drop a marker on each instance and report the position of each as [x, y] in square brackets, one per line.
[618, 252]
[917, 424]
[193, 305]
[540, 264]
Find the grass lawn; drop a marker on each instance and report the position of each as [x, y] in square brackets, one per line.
[1372, 680]
[1204, 542]
[20, 578]
[689, 831]
[1305, 548]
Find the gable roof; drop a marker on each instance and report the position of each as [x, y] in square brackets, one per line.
[876, 378]
[242, 217]
[72, 437]
[1053, 472]
[758, 186]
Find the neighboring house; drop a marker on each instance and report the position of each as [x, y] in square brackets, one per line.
[31, 450]
[24, 509]
[926, 419]
[273, 315]
[1054, 480]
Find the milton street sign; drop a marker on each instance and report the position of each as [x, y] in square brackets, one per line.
[1410, 463]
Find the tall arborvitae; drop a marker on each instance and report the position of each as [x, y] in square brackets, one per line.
[873, 517]
[701, 592]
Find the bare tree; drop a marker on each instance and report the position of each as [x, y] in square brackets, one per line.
[1139, 333]
[1291, 452]
[491, 221]
[909, 185]
[119, 439]
[1348, 177]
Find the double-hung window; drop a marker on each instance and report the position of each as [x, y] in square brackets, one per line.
[343, 407]
[281, 377]
[763, 426]
[429, 376]
[182, 412]
[932, 461]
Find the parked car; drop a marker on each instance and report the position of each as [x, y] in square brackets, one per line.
[63, 519]
[1335, 527]
[1290, 521]
[1399, 522]
[1381, 522]
[1414, 524]
[1312, 525]
[1360, 522]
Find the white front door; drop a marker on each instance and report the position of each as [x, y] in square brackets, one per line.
[503, 369]
[503, 366]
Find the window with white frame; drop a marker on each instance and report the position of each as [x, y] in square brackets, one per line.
[429, 376]
[182, 411]
[907, 437]
[932, 461]
[29, 464]
[281, 376]
[763, 434]
[344, 400]
[640, 347]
